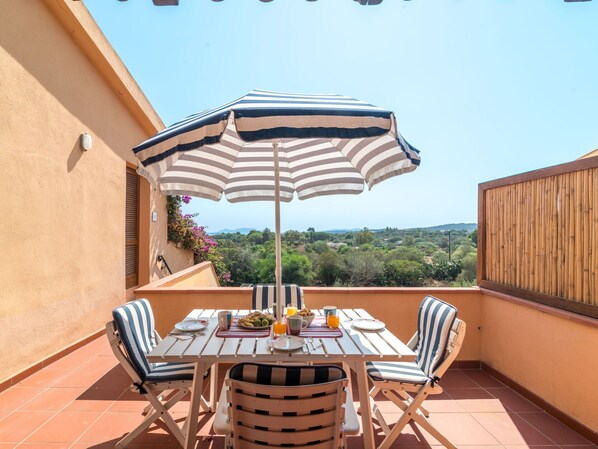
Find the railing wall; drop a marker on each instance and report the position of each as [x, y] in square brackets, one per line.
[538, 236]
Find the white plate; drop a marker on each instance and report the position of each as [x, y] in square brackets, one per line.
[286, 343]
[191, 325]
[368, 324]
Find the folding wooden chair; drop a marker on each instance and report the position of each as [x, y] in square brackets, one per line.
[264, 296]
[285, 406]
[437, 342]
[132, 335]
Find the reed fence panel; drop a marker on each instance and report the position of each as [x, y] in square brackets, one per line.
[538, 236]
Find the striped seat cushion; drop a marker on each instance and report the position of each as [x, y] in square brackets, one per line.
[405, 372]
[434, 322]
[286, 375]
[264, 296]
[163, 372]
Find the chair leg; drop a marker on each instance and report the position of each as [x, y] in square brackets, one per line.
[408, 398]
[156, 410]
[409, 411]
[426, 425]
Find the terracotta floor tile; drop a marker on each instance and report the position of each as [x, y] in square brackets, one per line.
[577, 446]
[526, 446]
[482, 405]
[19, 425]
[111, 426]
[94, 400]
[513, 401]
[8, 445]
[45, 446]
[130, 401]
[15, 397]
[43, 378]
[456, 379]
[69, 362]
[66, 426]
[80, 379]
[468, 393]
[444, 406]
[554, 429]
[108, 445]
[483, 379]
[510, 429]
[462, 429]
[52, 399]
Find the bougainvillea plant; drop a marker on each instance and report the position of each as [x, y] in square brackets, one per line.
[183, 231]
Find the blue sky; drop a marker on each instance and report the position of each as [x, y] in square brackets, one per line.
[484, 88]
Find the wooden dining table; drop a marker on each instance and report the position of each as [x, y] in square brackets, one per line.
[354, 347]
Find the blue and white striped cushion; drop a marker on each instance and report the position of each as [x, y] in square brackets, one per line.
[137, 328]
[286, 375]
[407, 372]
[171, 372]
[434, 322]
[264, 296]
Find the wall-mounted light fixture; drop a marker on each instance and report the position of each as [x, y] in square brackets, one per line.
[86, 142]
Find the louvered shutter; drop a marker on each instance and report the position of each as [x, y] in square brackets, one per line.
[132, 229]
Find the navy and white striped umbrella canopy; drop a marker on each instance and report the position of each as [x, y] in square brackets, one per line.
[327, 144]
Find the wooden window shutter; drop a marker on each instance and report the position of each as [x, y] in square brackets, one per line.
[132, 229]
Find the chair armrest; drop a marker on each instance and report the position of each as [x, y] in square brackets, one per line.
[351, 424]
[221, 425]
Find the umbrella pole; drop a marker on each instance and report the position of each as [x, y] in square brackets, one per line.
[278, 272]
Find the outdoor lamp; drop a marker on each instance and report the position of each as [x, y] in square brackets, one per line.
[85, 141]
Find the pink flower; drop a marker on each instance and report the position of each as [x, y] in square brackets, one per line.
[186, 199]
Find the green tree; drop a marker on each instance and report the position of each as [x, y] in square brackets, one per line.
[406, 253]
[320, 247]
[362, 237]
[473, 235]
[363, 268]
[296, 269]
[329, 268]
[404, 273]
[293, 238]
[444, 270]
[240, 261]
[469, 271]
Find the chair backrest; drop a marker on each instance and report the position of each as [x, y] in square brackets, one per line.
[136, 327]
[455, 341]
[279, 405]
[264, 296]
[434, 321]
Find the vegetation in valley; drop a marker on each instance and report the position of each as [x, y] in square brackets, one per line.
[438, 256]
[445, 256]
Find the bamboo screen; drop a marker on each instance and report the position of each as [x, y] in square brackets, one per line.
[540, 234]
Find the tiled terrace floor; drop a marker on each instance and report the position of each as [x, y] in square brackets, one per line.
[82, 401]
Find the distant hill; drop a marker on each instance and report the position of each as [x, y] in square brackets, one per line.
[445, 227]
[341, 231]
[453, 227]
[243, 231]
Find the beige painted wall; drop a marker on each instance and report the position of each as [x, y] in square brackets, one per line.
[555, 357]
[62, 210]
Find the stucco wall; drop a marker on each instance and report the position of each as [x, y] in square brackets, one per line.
[62, 210]
[555, 357]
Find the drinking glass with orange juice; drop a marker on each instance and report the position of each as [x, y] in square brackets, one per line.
[279, 328]
[291, 310]
[333, 321]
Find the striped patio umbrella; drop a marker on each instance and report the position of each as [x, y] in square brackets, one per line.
[271, 145]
